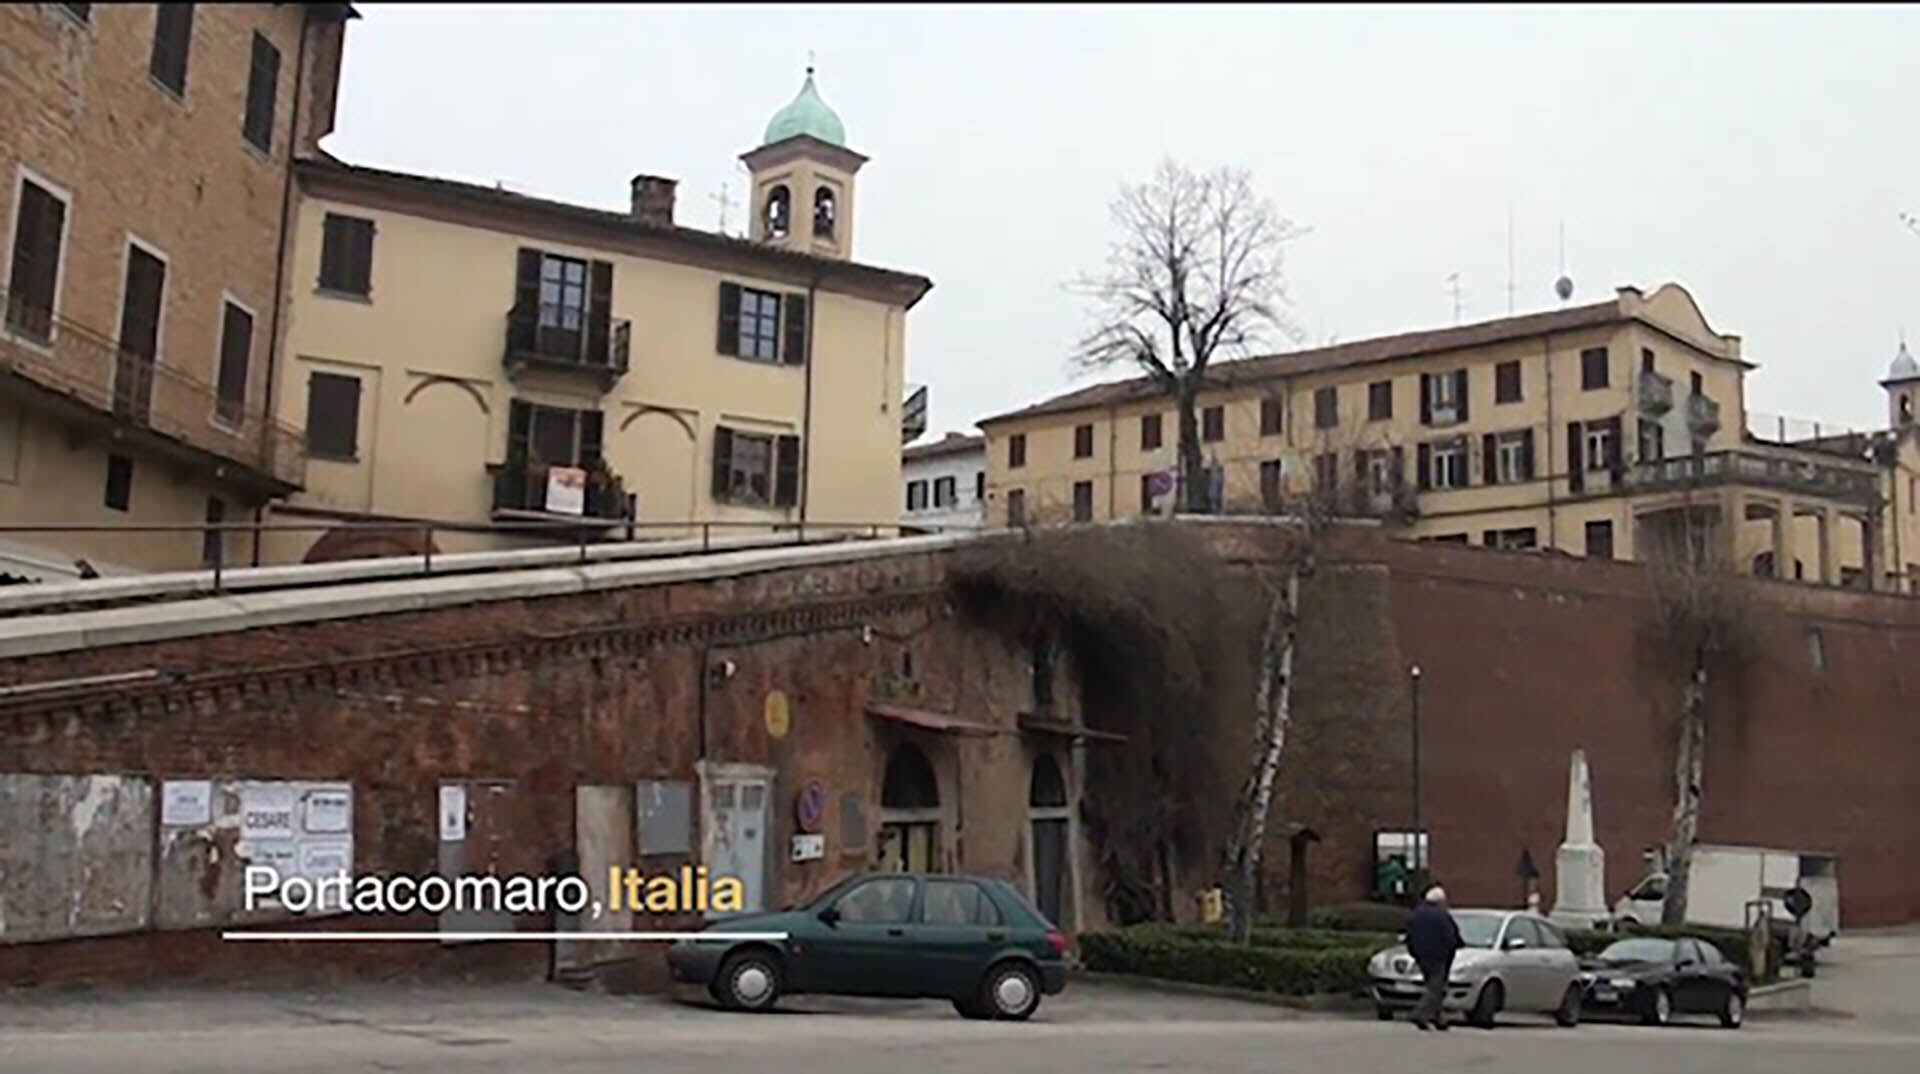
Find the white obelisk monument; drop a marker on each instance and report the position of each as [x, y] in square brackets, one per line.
[1580, 866]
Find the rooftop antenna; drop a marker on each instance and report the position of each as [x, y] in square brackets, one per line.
[1912, 222]
[1564, 285]
[1453, 287]
[1510, 284]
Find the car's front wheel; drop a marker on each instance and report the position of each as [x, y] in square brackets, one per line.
[1010, 992]
[1568, 1013]
[1382, 1012]
[748, 981]
[1492, 995]
[1733, 1010]
[1659, 1008]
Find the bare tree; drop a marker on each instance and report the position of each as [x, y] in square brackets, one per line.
[1701, 606]
[1195, 273]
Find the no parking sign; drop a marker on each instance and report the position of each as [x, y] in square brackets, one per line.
[810, 806]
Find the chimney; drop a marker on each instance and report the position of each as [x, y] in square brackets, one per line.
[653, 200]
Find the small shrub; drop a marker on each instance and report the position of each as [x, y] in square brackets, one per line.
[1161, 951]
[1359, 917]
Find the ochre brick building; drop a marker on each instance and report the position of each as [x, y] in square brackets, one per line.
[145, 178]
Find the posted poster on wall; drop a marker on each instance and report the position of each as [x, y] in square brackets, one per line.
[296, 828]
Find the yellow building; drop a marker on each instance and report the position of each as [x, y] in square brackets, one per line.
[1595, 430]
[493, 363]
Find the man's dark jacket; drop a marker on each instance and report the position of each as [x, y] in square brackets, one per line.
[1432, 936]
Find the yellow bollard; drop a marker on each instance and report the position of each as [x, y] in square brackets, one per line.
[1213, 906]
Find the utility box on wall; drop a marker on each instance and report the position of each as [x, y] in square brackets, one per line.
[665, 821]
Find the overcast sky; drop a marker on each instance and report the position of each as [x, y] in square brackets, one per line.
[1760, 156]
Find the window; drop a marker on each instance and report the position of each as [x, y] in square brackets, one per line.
[1600, 539]
[561, 306]
[1083, 441]
[755, 468]
[333, 416]
[1514, 539]
[1326, 407]
[172, 31]
[1270, 412]
[957, 902]
[1083, 501]
[33, 277]
[1520, 932]
[979, 486]
[1593, 368]
[1272, 489]
[141, 306]
[1016, 507]
[1147, 484]
[1550, 936]
[346, 263]
[1443, 398]
[119, 482]
[1601, 448]
[1149, 432]
[1584, 439]
[1213, 424]
[916, 495]
[1447, 463]
[213, 539]
[1380, 400]
[1016, 451]
[263, 81]
[1506, 382]
[1646, 359]
[1448, 538]
[1653, 441]
[1509, 457]
[880, 901]
[946, 491]
[1377, 470]
[762, 326]
[236, 351]
[1326, 473]
[1695, 383]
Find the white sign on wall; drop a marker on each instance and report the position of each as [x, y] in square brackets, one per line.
[266, 812]
[186, 803]
[453, 812]
[809, 847]
[329, 809]
[566, 490]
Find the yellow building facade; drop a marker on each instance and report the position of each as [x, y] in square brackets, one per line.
[1596, 430]
[517, 370]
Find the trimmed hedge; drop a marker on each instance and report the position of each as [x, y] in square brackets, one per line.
[1359, 917]
[1160, 951]
[1273, 936]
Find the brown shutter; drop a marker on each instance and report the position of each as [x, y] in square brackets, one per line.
[793, 310]
[360, 256]
[1424, 459]
[1576, 479]
[1426, 404]
[722, 460]
[526, 300]
[728, 340]
[1460, 391]
[592, 424]
[1526, 456]
[599, 310]
[786, 471]
[1490, 459]
[1614, 446]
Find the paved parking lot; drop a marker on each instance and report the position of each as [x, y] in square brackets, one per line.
[1873, 986]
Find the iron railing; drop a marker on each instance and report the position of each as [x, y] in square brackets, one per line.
[1803, 472]
[545, 334]
[1656, 392]
[1703, 414]
[523, 487]
[72, 360]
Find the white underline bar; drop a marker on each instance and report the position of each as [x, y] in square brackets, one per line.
[403, 937]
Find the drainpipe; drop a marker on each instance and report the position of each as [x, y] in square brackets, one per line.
[1553, 435]
[280, 264]
[806, 405]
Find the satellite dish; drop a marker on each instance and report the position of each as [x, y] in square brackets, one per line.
[1563, 287]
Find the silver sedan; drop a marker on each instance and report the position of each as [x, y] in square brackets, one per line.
[1510, 961]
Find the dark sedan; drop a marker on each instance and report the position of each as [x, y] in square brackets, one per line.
[974, 941]
[1654, 979]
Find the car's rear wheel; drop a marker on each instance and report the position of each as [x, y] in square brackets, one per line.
[1733, 1010]
[1385, 1014]
[1010, 992]
[748, 981]
[1658, 1009]
[1568, 1013]
[1492, 995]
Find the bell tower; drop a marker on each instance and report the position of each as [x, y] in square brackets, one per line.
[1903, 391]
[803, 179]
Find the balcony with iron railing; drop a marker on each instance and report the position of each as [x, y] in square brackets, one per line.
[87, 374]
[1656, 392]
[524, 488]
[1804, 472]
[569, 339]
[1703, 415]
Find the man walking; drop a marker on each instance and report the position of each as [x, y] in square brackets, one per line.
[1432, 938]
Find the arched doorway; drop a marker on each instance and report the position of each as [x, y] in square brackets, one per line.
[1048, 814]
[909, 812]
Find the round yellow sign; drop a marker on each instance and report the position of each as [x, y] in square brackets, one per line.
[779, 720]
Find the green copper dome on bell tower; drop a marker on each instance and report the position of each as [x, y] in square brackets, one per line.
[808, 115]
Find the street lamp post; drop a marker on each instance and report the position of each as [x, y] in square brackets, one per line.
[1419, 833]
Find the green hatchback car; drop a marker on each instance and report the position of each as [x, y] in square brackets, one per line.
[974, 941]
